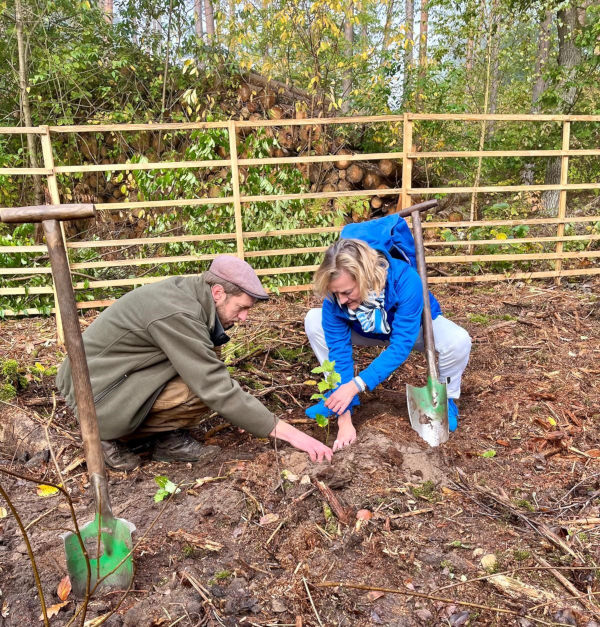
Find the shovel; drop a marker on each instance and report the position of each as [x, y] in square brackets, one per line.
[107, 539]
[427, 406]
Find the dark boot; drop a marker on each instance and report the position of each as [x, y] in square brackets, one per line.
[179, 446]
[119, 456]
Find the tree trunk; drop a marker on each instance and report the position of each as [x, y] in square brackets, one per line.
[423, 33]
[469, 54]
[107, 8]
[209, 19]
[541, 61]
[539, 86]
[347, 80]
[25, 107]
[473, 212]
[198, 25]
[494, 49]
[569, 56]
[408, 51]
[385, 39]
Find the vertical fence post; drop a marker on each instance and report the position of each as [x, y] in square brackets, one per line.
[235, 183]
[562, 195]
[407, 163]
[55, 199]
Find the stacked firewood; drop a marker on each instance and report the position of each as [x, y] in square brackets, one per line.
[254, 102]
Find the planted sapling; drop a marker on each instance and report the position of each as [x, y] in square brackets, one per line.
[165, 488]
[330, 381]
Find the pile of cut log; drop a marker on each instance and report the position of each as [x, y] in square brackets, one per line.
[257, 99]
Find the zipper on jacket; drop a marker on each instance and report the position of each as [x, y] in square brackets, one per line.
[109, 389]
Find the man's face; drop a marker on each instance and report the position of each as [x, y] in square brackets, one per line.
[232, 309]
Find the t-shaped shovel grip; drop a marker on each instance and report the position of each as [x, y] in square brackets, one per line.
[47, 212]
[420, 207]
[49, 215]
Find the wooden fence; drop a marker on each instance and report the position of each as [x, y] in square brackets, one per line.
[406, 192]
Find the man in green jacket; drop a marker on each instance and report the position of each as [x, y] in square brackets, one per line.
[155, 372]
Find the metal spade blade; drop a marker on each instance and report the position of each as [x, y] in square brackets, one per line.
[108, 544]
[428, 411]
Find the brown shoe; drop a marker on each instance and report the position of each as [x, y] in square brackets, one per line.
[178, 446]
[119, 456]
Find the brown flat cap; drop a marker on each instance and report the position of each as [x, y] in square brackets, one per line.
[238, 272]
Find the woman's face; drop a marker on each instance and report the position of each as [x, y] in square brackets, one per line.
[346, 290]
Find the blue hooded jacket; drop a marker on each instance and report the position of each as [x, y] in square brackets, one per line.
[403, 305]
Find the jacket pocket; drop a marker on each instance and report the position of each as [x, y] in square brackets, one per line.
[106, 391]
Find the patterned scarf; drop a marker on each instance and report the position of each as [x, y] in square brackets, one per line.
[371, 314]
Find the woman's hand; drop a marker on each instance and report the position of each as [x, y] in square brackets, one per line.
[346, 432]
[340, 399]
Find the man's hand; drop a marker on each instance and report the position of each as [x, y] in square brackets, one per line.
[346, 432]
[340, 399]
[317, 451]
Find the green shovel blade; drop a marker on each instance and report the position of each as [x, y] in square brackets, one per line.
[109, 551]
[428, 411]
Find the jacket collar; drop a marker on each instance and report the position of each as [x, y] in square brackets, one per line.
[218, 335]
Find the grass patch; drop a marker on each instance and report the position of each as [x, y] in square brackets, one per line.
[425, 491]
[478, 319]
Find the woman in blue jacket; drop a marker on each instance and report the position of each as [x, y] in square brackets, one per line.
[372, 298]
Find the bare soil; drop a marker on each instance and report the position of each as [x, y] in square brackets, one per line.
[517, 484]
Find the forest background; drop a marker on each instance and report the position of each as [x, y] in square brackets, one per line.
[79, 62]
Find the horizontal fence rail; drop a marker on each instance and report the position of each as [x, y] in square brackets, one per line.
[235, 202]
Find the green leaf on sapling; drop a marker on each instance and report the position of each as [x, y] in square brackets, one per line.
[321, 420]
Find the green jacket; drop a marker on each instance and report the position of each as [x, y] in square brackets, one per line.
[146, 338]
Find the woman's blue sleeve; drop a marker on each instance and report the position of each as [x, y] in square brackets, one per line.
[339, 341]
[405, 329]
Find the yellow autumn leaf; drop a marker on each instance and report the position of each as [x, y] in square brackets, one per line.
[448, 491]
[310, 382]
[3, 512]
[46, 490]
[552, 421]
[54, 610]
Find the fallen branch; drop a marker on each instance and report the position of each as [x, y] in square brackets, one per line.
[592, 522]
[197, 540]
[584, 602]
[516, 589]
[416, 512]
[203, 592]
[312, 602]
[422, 595]
[503, 501]
[342, 513]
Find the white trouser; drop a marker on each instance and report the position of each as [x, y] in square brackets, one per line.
[452, 344]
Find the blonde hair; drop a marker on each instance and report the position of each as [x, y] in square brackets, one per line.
[364, 264]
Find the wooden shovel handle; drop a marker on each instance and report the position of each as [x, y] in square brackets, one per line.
[79, 370]
[428, 339]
